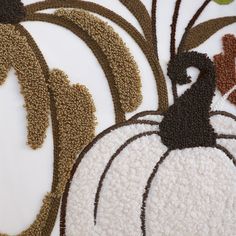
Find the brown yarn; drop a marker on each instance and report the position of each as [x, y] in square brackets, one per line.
[113, 157]
[154, 27]
[75, 115]
[93, 45]
[186, 124]
[173, 28]
[138, 9]
[43, 224]
[125, 70]
[80, 158]
[15, 51]
[200, 33]
[191, 24]
[145, 46]
[225, 67]
[173, 42]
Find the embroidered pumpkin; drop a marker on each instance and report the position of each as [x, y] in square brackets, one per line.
[49, 93]
[159, 174]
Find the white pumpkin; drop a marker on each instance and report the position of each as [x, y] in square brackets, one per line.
[193, 191]
[160, 175]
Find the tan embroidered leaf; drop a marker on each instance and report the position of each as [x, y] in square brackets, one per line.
[16, 52]
[76, 122]
[200, 33]
[125, 69]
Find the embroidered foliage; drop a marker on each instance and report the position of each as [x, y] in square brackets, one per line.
[200, 33]
[127, 78]
[225, 67]
[16, 52]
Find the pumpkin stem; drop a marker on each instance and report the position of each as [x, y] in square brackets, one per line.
[186, 123]
[11, 11]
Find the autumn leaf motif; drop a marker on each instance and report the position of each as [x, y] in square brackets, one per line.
[225, 67]
[16, 52]
[76, 122]
[125, 69]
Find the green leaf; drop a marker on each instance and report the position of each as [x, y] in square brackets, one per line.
[223, 2]
[200, 33]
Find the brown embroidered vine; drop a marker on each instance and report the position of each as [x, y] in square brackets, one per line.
[125, 70]
[154, 27]
[173, 42]
[132, 31]
[51, 203]
[191, 24]
[93, 45]
[138, 9]
[186, 123]
[11, 12]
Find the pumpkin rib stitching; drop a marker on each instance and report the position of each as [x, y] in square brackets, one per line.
[82, 155]
[147, 189]
[103, 176]
[227, 153]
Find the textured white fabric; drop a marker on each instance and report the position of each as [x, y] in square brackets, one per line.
[193, 192]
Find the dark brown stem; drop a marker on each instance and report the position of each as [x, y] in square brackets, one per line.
[191, 24]
[186, 124]
[154, 28]
[113, 157]
[172, 42]
[132, 31]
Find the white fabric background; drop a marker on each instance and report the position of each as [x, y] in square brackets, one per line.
[25, 175]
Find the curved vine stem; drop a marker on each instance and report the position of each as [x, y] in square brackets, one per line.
[93, 45]
[138, 9]
[131, 30]
[172, 42]
[55, 130]
[154, 27]
[191, 24]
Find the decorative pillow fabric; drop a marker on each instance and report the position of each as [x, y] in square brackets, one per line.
[118, 118]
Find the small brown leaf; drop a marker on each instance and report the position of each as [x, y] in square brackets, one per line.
[225, 67]
[200, 33]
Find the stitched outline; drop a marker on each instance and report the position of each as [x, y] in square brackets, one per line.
[80, 158]
[93, 45]
[55, 127]
[140, 40]
[147, 189]
[113, 157]
[191, 24]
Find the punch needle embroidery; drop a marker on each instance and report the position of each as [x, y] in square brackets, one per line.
[226, 68]
[164, 172]
[172, 159]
